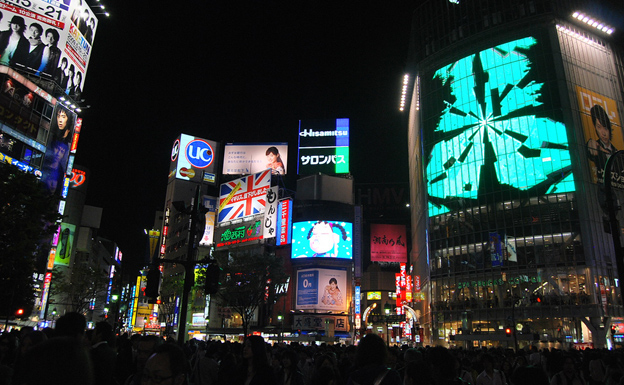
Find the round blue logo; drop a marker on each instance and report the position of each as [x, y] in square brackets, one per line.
[199, 153]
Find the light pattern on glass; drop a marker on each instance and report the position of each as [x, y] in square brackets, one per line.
[493, 118]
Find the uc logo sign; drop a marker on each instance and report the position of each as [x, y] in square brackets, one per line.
[199, 153]
[175, 150]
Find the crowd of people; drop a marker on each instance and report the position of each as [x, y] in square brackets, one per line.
[70, 354]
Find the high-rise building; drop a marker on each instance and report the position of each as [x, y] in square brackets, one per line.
[514, 108]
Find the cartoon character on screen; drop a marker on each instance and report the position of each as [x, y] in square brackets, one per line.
[332, 295]
[324, 241]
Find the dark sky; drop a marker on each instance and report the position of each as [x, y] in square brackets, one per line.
[235, 71]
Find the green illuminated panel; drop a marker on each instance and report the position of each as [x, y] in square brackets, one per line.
[494, 131]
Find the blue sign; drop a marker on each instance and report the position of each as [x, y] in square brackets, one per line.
[307, 287]
[199, 153]
[357, 299]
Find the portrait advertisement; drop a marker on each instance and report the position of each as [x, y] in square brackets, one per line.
[322, 289]
[602, 130]
[250, 158]
[322, 239]
[57, 151]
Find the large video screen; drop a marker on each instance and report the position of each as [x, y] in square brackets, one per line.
[322, 239]
[49, 38]
[492, 124]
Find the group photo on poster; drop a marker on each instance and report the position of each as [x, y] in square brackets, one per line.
[56, 47]
[322, 239]
[602, 130]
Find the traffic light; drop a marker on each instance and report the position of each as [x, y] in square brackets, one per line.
[212, 278]
[508, 331]
[152, 288]
[19, 313]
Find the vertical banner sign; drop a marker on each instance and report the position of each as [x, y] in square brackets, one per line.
[357, 241]
[209, 203]
[269, 223]
[44, 295]
[65, 243]
[358, 317]
[284, 221]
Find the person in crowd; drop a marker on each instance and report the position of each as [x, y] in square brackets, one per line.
[531, 375]
[145, 348]
[103, 355]
[206, 368]
[289, 373]
[167, 366]
[489, 375]
[370, 361]
[256, 369]
[57, 361]
[569, 375]
[72, 325]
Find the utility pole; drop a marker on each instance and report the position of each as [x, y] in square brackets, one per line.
[189, 265]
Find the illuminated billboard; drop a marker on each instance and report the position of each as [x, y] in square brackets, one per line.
[209, 203]
[322, 239]
[250, 158]
[244, 197]
[64, 246]
[322, 289]
[602, 129]
[193, 159]
[323, 147]
[52, 39]
[388, 243]
[238, 234]
[57, 152]
[492, 124]
[284, 219]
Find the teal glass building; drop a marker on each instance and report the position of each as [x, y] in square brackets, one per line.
[506, 160]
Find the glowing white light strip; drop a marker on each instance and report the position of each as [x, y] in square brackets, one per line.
[404, 92]
[592, 22]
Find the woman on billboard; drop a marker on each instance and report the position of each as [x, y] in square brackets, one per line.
[332, 295]
[275, 162]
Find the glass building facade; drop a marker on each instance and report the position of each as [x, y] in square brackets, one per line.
[508, 207]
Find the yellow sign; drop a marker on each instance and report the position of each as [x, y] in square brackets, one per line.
[373, 295]
[230, 195]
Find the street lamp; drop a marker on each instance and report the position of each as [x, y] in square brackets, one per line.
[280, 318]
[387, 309]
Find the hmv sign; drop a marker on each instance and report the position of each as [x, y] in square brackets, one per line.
[193, 158]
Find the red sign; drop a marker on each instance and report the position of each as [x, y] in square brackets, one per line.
[388, 243]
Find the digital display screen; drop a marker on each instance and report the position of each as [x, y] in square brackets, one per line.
[322, 239]
[492, 125]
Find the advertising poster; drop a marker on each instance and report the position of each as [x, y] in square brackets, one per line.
[244, 197]
[57, 152]
[602, 129]
[323, 147]
[211, 204]
[54, 39]
[250, 158]
[322, 239]
[238, 234]
[192, 158]
[388, 243]
[322, 289]
[64, 246]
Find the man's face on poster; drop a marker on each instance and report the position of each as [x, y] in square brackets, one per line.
[603, 132]
[61, 120]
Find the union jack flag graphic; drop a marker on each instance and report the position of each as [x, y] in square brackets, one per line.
[244, 197]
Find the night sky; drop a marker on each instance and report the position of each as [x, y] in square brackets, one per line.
[235, 71]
